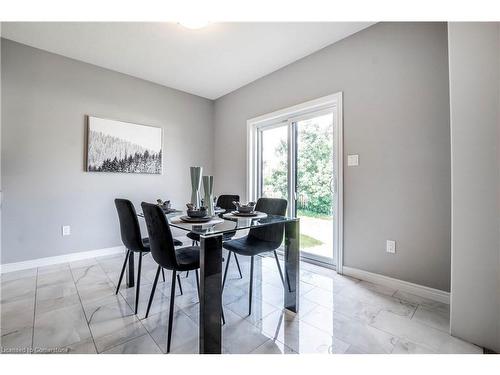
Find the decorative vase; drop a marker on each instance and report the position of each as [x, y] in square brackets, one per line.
[195, 185]
[208, 186]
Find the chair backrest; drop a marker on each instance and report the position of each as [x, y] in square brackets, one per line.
[225, 201]
[129, 225]
[271, 233]
[161, 241]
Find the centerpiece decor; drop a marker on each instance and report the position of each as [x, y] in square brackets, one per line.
[195, 185]
[208, 186]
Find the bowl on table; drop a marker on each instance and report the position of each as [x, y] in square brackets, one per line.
[244, 208]
[202, 212]
[165, 205]
[194, 212]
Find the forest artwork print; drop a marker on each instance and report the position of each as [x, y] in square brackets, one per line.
[116, 146]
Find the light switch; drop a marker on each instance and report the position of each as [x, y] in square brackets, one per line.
[352, 160]
[391, 246]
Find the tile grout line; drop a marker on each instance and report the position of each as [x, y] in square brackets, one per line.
[357, 320]
[34, 311]
[393, 295]
[179, 310]
[176, 308]
[150, 335]
[354, 319]
[340, 313]
[427, 324]
[112, 282]
[125, 342]
[114, 285]
[145, 329]
[81, 305]
[132, 308]
[415, 311]
[403, 337]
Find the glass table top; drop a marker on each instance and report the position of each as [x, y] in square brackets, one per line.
[229, 223]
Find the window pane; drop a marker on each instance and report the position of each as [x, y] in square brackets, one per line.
[315, 185]
[275, 163]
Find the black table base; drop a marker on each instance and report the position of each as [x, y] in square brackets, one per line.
[292, 262]
[211, 285]
[210, 295]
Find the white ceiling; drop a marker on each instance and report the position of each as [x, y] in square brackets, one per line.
[209, 62]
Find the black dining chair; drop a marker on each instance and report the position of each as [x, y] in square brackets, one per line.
[167, 256]
[224, 201]
[259, 240]
[133, 241]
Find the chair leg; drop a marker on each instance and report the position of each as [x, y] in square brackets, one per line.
[180, 286]
[123, 271]
[138, 287]
[171, 312]
[279, 268]
[238, 265]
[225, 271]
[187, 274]
[251, 286]
[162, 274]
[153, 290]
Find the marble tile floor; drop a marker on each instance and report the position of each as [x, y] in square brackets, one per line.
[72, 308]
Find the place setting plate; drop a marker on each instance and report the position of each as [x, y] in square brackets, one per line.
[246, 215]
[184, 219]
[188, 219]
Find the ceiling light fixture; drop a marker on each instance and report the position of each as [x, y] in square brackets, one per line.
[194, 24]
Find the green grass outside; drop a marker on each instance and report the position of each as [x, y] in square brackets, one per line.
[301, 212]
[308, 241]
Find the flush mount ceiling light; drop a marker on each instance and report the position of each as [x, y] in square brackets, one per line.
[194, 24]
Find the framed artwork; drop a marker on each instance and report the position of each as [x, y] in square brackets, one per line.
[123, 147]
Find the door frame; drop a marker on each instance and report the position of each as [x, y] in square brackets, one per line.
[283, 116]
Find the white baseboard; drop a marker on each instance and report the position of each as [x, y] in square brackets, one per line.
[40, 262]
[404, 286]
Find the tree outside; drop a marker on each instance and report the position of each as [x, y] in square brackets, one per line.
[314, 169]
[314, 181]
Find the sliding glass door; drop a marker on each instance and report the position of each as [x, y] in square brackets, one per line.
[296, 161]
[273, 162]
[314, 184]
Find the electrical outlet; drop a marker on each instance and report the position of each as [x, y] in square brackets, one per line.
[390, 246]
[66, 230]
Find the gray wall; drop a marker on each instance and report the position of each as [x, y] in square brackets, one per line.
[474, 50]
[44, 103]
[0, 121]
[394, 77]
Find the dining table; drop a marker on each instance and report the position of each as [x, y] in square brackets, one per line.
[211, 258]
